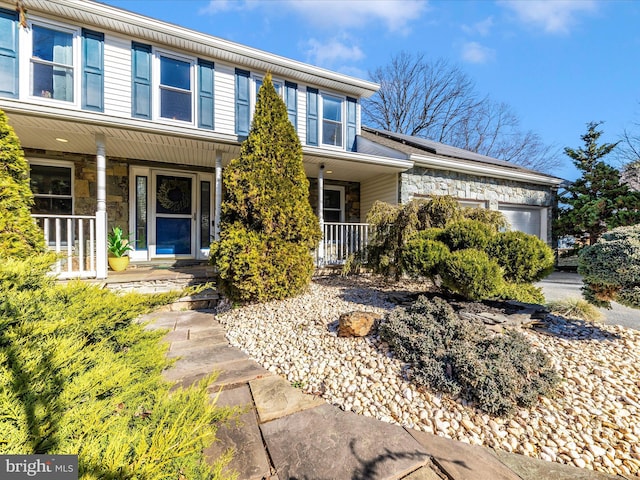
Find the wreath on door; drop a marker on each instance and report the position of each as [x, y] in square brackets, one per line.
[174, 195]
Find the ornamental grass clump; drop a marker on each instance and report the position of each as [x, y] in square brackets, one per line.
[79, 376]
[498, 372]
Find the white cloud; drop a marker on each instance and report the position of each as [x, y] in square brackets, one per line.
[353, 71]
[394, 14]
[483, 28]
[216, 6]
[553, 16]
[473, 52]
[329, 53]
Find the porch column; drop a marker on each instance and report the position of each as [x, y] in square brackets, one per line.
[218, 199]
[321, 214]
[101, 211]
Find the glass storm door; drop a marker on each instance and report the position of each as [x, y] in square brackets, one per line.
[174, 215]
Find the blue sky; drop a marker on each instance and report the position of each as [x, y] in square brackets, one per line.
[558, 64]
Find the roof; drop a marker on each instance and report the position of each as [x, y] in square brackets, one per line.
[132, 25]
[424, 151]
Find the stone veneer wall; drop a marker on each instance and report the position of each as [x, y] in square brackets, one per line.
[85, 184]
[420, 181]
[351, 197]
[425, 181]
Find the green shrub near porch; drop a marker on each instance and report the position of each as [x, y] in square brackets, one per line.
[79, 376]
[463, 247]
[19, 234]
[268, 229]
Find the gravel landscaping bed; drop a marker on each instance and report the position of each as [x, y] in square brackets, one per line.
[592, 421]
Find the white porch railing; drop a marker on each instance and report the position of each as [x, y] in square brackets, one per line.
[339, 240]
[73, 238]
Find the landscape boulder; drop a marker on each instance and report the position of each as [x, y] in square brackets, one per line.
[357, 324]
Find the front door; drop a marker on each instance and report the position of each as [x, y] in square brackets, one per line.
[175, 213]
[170, 214]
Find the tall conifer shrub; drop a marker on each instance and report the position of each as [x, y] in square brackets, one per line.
[268, 229]
[19, 234]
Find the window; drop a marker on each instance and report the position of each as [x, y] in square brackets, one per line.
[52, 188]
[331, 121]
[325, 119]
[175, 89]
[333, 204]
[52, 64]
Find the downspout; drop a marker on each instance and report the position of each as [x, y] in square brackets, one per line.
[101, 208]
[320, 214]
[218, 198]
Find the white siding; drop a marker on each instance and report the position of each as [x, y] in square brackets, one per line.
[383, 188]
[302, 114]
[117, 76]
[224, 98]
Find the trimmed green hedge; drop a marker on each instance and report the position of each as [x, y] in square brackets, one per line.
[472, 274]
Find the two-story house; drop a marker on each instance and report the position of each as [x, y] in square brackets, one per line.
[127, 120]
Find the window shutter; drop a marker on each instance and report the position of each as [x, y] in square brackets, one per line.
[312, 116]
[291, 99]
[92, 70]
[243, 100]
[140, 80]
[352, 105]
[205, 94]
[8, 53]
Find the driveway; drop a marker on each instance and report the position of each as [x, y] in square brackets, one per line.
[562, 285]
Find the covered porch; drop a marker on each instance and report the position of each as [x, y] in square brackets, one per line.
[163, 184]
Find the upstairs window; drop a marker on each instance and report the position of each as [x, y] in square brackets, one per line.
[175, 89]
[331, 121]
[52, 66]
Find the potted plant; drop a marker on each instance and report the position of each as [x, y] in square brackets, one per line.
[118, 245]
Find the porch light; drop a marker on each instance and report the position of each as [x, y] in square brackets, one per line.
[328, 171]
[62, 140]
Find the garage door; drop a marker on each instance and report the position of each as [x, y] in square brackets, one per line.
[524, 219]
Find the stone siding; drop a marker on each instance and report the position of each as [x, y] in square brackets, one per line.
[425, 181]
[351, 197]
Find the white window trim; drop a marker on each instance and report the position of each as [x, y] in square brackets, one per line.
[155, 75]
[58, 163]
[472, 203]
[340, 189]
[343, 100]
[25, 64]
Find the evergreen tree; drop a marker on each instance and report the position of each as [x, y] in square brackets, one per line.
[268, 229]
[19, 234]
[597, 201]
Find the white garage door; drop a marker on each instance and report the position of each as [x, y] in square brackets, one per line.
[524, 219]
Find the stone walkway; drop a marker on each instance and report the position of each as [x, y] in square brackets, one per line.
[285, 434]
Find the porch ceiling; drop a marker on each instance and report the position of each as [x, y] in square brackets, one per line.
[353, 167]
[128, 143]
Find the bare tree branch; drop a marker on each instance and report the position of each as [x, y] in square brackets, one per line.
[438, 101]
